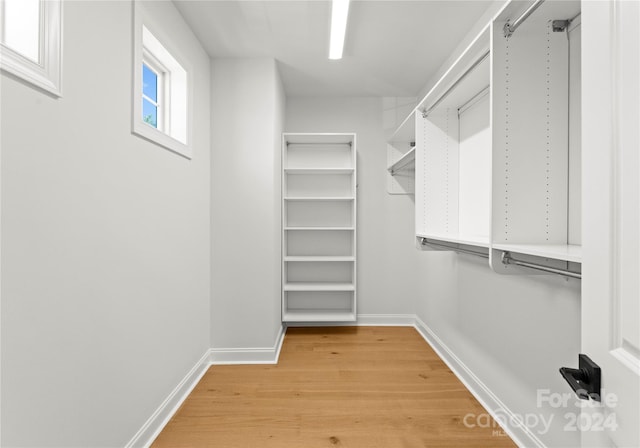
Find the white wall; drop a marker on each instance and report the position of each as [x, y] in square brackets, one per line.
[105, 243]
[247, 102]
[387, 259]
[513, 332]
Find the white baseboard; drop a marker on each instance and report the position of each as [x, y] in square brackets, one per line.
[159, 419]
[156, 423]
[266, 355]
[366, 320]
[386, 320]
[518, 433]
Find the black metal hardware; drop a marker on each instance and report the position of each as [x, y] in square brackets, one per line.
[558, 26]
[585, 380]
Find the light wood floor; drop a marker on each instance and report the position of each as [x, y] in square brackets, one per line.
[358, 387]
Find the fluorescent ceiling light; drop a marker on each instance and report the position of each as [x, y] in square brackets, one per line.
[339, 13]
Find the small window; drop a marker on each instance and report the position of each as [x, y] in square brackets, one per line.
[161, 90]
[151, 111]
[22, 27]
[31, 41]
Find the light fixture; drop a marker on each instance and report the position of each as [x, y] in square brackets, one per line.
[339, 13]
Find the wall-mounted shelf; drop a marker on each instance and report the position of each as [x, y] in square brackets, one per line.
[319, 228]
[321, 287]
[319, 258]
[319, 199]
[563, 252]
[403, 162]
[318, 170]
[319, 315]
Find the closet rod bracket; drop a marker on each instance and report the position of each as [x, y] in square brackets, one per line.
[508, 30]
[511, 26]
[560, 26]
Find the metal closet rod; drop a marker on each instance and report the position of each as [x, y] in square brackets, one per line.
[510, 27]
[507, 259]
[484, 56]
[425, 241]
[475, 99]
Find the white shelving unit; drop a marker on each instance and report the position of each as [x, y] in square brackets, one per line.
[536, 137]
[453, 153]
[319, 228]
[497, 156]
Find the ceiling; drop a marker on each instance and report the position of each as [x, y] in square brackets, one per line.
[392, 47]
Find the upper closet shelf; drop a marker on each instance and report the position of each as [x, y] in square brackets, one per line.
[403, 162]
[564, 252]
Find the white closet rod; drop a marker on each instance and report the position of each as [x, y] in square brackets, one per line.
[510, 27]
[506, 260]
[426, 112]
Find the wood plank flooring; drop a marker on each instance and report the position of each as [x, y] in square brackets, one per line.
[357, 387]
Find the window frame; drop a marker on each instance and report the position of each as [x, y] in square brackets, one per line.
[162, 137]
[46, 73]
[163, 91]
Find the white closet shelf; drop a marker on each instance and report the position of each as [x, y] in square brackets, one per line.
[318, 170]
[319, 315]
[317, 198]
[300, 286]
[462, 239]
[319, 228]
[564, 252]
[403, 162]
[319, 258]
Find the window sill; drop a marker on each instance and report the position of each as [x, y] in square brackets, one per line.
[151, 134]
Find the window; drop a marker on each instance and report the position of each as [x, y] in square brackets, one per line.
[152, 112]
[161, 90]
[31, 42]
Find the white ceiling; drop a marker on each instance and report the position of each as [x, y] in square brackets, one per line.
[392, 47]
